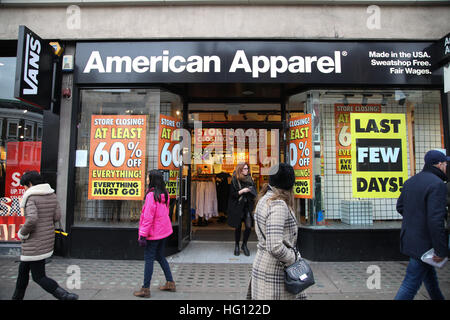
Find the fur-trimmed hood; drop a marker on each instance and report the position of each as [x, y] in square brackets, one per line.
[37, 190]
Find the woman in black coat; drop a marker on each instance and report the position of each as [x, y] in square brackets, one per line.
[241, 204]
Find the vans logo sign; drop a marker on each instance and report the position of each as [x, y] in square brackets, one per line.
[34, 69]
[31, 68]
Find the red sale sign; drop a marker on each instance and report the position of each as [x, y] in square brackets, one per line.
[21, 157]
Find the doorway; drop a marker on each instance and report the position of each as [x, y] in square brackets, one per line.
[211, 177]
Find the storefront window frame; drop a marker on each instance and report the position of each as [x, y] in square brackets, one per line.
[78, 103]
[312, 222]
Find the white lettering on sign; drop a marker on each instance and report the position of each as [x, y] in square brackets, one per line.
[388, 155]
[280, 64]
[142, 64]
[274, 65]
[31, 70]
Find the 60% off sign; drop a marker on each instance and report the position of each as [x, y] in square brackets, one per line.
[117, 155]
[301, 155]
[303, 149]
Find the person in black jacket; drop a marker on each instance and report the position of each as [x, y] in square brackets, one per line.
[422, 204]
[241, 204]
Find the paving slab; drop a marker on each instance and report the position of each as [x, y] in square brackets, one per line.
[210, 271]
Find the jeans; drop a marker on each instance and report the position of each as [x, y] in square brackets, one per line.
[416, 273]
[155, 251]
[37, 269]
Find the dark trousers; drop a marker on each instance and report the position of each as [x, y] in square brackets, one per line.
[247, 231]
[155, 251]
[37, 269]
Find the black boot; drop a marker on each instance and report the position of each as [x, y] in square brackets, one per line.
[62, 294]
[245, 249]
[236, 249]
[18, 295]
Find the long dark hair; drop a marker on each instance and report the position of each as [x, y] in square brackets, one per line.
[157, 186]
[278, 194]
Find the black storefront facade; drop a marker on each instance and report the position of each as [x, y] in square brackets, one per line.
[250, 84]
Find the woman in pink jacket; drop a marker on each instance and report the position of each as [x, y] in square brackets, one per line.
[154, 229]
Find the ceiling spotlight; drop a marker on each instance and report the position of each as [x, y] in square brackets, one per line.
[345, 100]
[365, 99]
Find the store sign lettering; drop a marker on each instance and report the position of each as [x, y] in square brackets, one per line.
[272, 65]
[34, 66]
[447, 45]
[33, 48]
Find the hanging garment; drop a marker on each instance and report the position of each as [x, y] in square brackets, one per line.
[223, 191]
[205, 199]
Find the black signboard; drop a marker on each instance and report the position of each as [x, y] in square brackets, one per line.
[34, 65]
[311, 62]
[441, 52]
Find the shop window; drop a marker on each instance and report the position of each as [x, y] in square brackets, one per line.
[28, 130]
[109, 190]
[39, 132]
[16, 157]
[333, 203]
[13, 129]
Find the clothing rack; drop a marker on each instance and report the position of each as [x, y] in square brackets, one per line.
[204, 177]
[204, 199]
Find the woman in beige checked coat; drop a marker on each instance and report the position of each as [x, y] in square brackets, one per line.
[274, 223]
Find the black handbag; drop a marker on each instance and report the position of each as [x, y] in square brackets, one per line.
[298, 276]
[61, 242]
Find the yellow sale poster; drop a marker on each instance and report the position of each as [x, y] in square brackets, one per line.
[379, 155]
[117, 157]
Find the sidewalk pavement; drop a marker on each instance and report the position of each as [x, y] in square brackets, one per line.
[210, 271]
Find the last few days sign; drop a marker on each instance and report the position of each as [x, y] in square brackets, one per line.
[379, 154]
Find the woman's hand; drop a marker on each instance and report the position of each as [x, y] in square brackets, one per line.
[142, 241]
[245, 190]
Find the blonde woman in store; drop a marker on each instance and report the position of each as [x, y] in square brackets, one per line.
[275, 225]
[240, 205]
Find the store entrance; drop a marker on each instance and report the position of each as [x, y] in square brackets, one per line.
[215, 160]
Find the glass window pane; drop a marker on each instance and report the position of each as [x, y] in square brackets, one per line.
[116, 102]
[333, 204]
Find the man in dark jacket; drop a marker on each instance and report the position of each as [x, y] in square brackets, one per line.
[422, 204]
